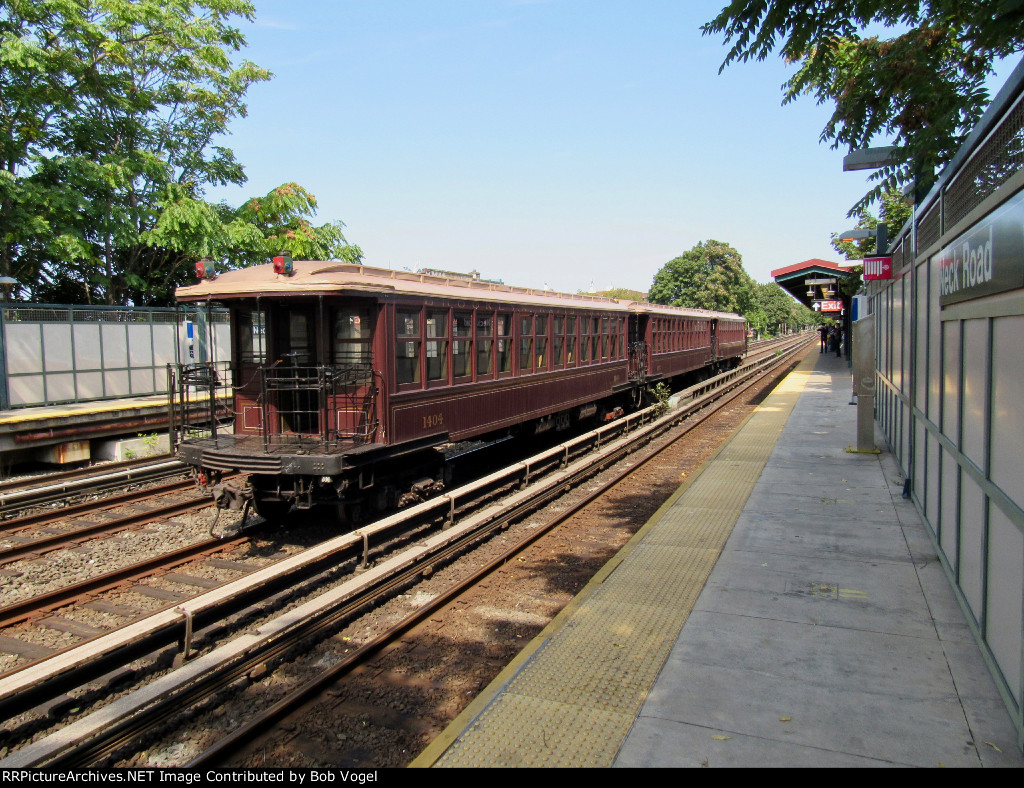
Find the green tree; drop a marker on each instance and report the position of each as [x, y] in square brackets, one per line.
[921, 89]
[805, 316]
[190, 228]
[709, 276]
[771, 308]
[108, 110]
[623, 294]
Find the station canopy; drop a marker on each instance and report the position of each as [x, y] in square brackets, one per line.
[812, 281]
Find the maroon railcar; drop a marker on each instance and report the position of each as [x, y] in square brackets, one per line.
[346, 379]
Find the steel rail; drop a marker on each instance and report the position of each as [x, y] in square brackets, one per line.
[35, 606]
[84, 482]
[59, 477]
[54, 541]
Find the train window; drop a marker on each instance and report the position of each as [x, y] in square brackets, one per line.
[504, 357]
[595, 338]
[407, 322]
[558, 341]
[584, 340]
[484, 346]
[437, 345]
[613, 338]
[252, 332]
[298, 347]
[570, 341]
[352, 336]
[462, 344]
[525, 345]
[407, 346]
[541, 330]
[605, 335]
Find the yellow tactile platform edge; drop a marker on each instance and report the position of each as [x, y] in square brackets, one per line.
[571, 696]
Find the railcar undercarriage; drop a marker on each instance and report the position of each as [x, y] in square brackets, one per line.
[360, 481]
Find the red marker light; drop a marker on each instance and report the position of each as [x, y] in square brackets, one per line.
[283, 264]
[205, 269]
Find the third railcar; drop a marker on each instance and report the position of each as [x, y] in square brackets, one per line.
[345, 379]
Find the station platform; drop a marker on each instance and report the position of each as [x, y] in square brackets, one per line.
[786, 608]
[82, 431]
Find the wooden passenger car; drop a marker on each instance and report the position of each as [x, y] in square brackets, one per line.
[342, 372]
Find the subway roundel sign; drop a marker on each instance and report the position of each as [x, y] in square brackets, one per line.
[877, 268]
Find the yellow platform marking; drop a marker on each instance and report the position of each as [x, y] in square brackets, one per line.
[570, 698]
[96, 407]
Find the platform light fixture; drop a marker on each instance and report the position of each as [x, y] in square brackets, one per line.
[869, 158]
[856, 235]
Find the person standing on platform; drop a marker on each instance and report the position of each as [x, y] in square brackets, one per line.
[824, 338]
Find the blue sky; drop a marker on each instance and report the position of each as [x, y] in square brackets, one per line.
[558, 143]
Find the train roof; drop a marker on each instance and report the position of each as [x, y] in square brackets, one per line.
[314, 277]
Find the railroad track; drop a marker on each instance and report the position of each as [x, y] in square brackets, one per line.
[466, 524]
[19, 495]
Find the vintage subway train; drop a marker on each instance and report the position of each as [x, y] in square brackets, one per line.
[346, 380]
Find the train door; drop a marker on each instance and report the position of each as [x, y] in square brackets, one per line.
[250, 355]
[714, 340]
[353, 396]
[295, 379]
[638, 348]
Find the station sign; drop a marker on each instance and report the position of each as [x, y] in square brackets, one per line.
[831, 306]
[877, 268]
[987, 259]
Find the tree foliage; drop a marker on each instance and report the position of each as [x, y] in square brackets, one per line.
[771, 308]
[107, 108]
[110, 116]
[709, 276]
[623, 294]
[921, 89]
[189, 228]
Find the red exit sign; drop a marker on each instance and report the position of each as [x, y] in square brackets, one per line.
[831, 306]
[877, 268]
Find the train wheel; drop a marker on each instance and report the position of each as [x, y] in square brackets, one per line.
[272, 511]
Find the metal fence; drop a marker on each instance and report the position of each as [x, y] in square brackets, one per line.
[55, 354]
